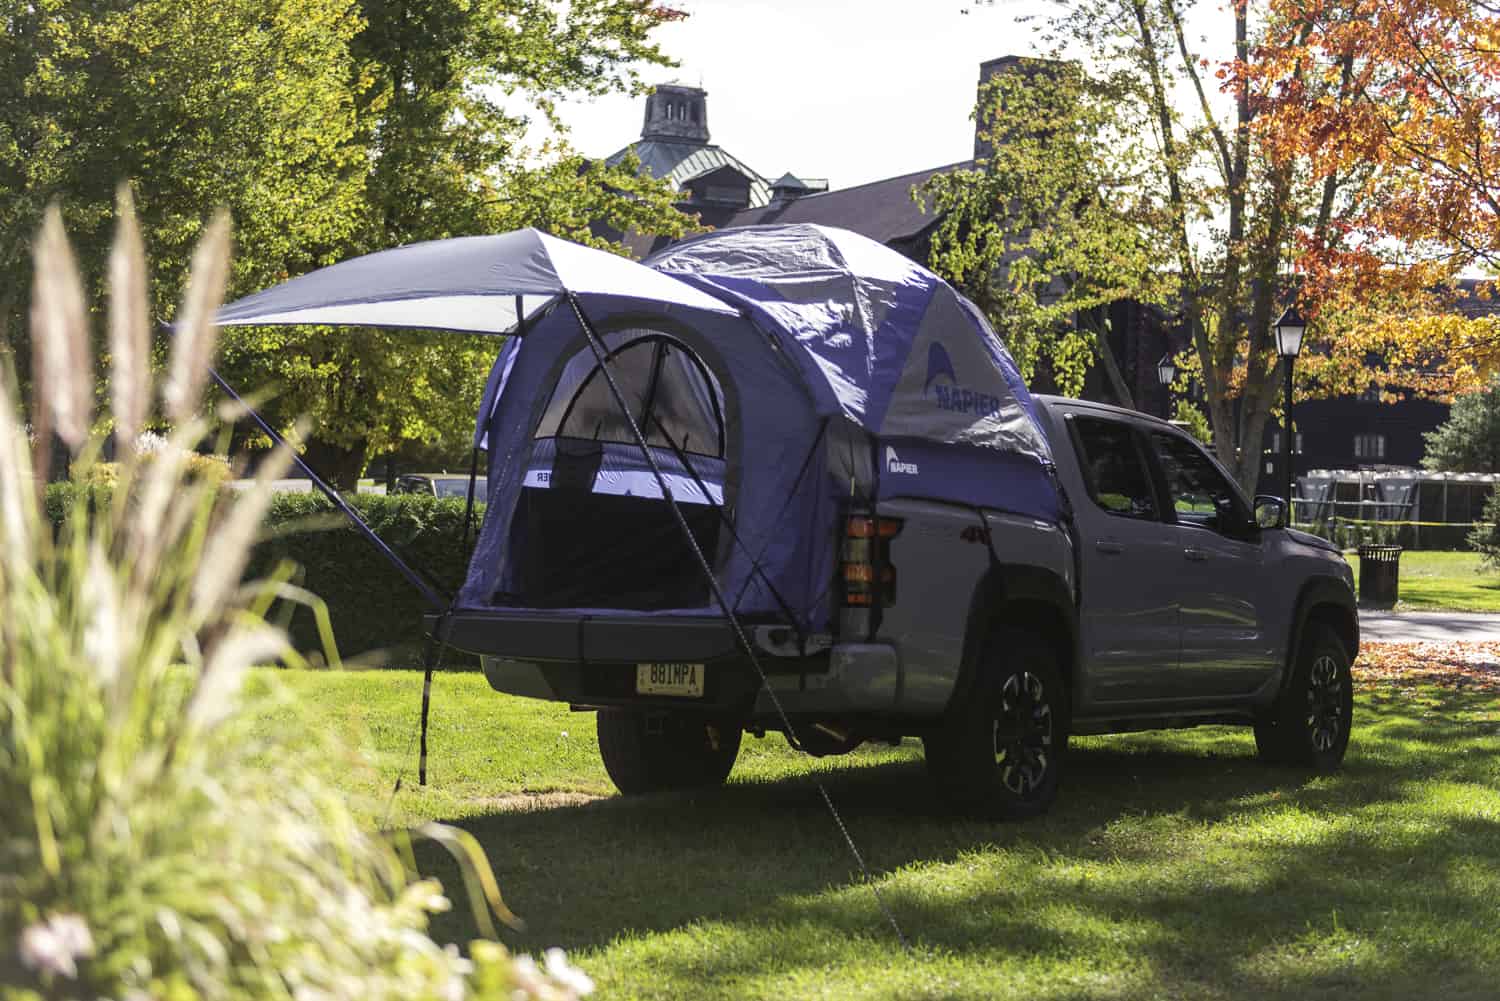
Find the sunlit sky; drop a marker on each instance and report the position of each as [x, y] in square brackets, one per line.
[852, 91]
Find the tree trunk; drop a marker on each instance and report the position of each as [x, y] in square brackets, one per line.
[339, 465]
[1237, 454]
[1112, 371]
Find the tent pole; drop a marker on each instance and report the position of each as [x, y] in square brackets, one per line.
[596, 344]
[734, 536]
[463, 546]
[425, 589]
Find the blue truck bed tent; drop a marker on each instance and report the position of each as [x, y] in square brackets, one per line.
[851, 373]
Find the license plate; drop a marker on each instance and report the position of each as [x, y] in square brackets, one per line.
[669, 679]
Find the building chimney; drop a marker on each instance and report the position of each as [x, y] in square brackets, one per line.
[677, 113]
[987, 72]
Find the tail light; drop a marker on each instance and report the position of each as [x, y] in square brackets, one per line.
[867, 575]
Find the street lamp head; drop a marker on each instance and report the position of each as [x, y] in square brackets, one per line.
[1166, 370]
[1289, 331]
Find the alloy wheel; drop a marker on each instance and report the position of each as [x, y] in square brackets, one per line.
[1325, 703]
[1023, 733]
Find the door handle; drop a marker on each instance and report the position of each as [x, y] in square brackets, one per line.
[1109, 548]
[1196, 555]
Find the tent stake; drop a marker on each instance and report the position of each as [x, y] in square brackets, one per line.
[432, 660]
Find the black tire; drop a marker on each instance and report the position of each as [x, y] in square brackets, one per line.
[999, 754]
[1310, 723]
[647, 752]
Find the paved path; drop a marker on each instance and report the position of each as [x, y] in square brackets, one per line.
[1412, 627]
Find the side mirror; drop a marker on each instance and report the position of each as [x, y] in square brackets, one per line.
[1270, 512]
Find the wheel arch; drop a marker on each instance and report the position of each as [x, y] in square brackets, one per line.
[1025, 597]
[1323, 601]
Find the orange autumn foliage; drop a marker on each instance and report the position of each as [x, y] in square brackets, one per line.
[1393, 107]
[1387, 666]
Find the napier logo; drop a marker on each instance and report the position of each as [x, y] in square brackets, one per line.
[943, 390]
[893, 463]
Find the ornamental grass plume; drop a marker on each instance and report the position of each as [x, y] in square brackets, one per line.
[153, 842]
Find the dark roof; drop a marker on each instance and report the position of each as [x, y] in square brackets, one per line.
[680, 162]
[882, 210]
[1476, 297]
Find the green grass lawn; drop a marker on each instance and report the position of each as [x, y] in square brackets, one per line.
[1452, 582]
[1173, 866]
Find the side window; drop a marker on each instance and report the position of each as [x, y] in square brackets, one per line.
[1113, 467]
[1199, 492]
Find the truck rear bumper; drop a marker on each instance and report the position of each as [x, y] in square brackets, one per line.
[590, 660]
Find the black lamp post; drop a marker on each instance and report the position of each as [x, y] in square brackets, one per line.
[1166, 374]
[1289, 331]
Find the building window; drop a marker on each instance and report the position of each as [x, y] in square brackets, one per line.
[1371, 393]
[1369, 446]
[1276, 443]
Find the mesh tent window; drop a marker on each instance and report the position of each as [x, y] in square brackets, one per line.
[675, 399]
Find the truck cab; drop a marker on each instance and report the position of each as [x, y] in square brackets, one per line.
[1191, 594]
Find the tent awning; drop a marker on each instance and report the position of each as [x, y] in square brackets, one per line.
[475, 284]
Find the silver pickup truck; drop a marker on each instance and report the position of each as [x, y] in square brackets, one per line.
[1164, 599]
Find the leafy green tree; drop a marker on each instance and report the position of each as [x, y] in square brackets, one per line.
[1469, 440]
[441, 78]
[329, 128]
[199, 103]
[1040, 233]
[451, 84]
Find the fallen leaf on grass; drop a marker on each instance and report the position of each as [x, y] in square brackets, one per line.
[1469, 666]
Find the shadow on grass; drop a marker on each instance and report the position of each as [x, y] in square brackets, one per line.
[1216, 872]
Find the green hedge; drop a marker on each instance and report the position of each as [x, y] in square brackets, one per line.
[376, 614]
[371, 605]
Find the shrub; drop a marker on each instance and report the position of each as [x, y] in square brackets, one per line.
[1485, 537]
[1469, 440]
[371, 606]
[153, 842]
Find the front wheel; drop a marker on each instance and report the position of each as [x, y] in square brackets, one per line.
[1310, 723]
[648, 752]
[1000, 753]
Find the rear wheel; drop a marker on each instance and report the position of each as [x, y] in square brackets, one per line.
[1310, 723]
[1000, 753]
[654, 752]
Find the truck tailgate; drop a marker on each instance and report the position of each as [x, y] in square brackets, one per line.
[561, 637]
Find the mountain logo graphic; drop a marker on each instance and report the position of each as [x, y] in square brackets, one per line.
[893, 463]
[948, 394]
[938, 363]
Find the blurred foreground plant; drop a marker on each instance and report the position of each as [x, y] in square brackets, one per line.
[153, 843]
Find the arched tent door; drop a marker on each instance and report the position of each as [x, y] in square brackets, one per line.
[673, 396]
[592, 526]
